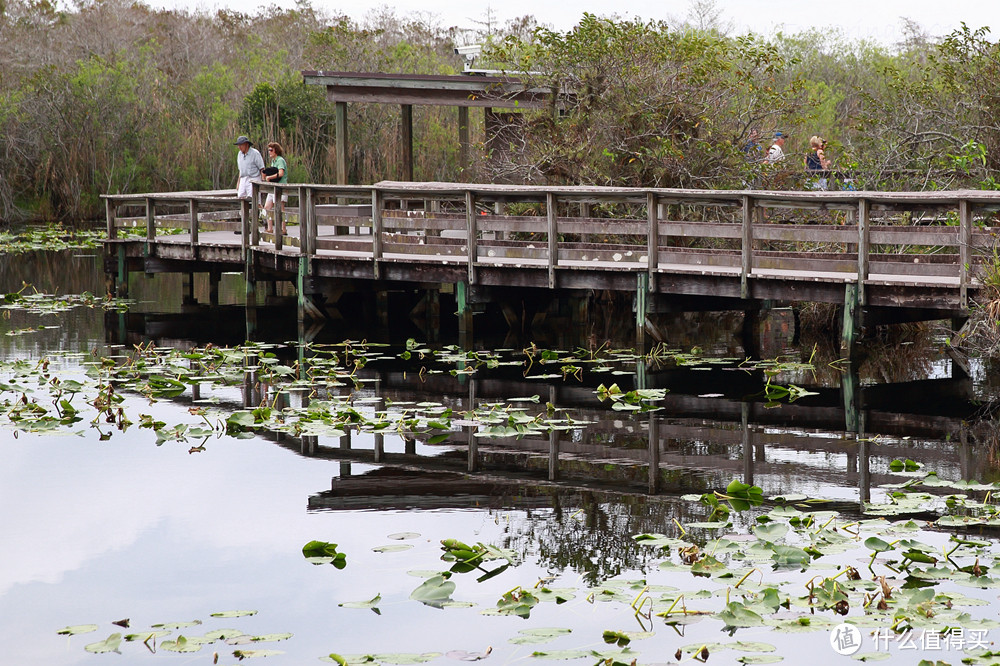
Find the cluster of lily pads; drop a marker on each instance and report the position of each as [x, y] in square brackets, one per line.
[790, 565]
[29, 299]
[155, 638]
[58, 237]
[327, 378]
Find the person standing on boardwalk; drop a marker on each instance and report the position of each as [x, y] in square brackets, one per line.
[276, 153]
[775, 153]
[249, 162]
[817, 164]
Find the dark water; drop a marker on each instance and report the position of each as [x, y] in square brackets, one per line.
[97, 530]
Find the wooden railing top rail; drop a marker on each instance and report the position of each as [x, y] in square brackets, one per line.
[981, 199]
[986, 199]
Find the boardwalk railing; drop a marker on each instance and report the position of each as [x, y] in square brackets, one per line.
[893, 249]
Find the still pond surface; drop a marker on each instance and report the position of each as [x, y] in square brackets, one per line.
[181, 505]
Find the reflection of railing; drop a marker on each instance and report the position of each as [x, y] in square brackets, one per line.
[856, 248]
[691, 444]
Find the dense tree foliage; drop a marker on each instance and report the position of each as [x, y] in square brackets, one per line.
[114, 96]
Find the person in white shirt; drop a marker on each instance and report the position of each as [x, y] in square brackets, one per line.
[775, 153]
[249, 162]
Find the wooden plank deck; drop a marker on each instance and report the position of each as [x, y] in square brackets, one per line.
[893, 249]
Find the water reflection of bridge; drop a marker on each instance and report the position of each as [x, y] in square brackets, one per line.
[714, 425]
[837, 439]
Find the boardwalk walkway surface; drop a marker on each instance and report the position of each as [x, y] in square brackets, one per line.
[885, 254]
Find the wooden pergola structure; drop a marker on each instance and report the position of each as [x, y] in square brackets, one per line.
[461, 91]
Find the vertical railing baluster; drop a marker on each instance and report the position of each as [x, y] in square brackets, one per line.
[472, 231]
[150, 219]
[193, 222]
[864, 246]
[376, 230]
[653, 239]
[746, 267]
[553, 232]
[110, 210]
[964, 253]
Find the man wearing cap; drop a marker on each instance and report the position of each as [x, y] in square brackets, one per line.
[775, 153]
[249, 162]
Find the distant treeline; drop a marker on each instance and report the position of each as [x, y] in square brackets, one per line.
[114, 96]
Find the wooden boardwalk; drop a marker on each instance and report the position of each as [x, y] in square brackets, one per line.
[883, 256]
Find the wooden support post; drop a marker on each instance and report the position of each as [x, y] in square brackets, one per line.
[653, 480]
[406, 140]
[245, 212]
[110, 210]
[851, 319]
[279, 238]
[553, 234]
[150, 219]
[553, 455]
[964, 254]
[653, 237]
[122, 287]
[279, 214]
[250, 283]
[307, 222]
[464, 312]
[864, 244]
[300, 287]
[849, 393]
[376, 231]
[340, 123]
[855, 429]
[379, 448]
[641, 308]
[747, 239]
[747, 441]
[254, 205]
[470, 432]
[472, 231]
[193, 224]
[463, 141]
[214, 277]
[641, 375]
[472, 464]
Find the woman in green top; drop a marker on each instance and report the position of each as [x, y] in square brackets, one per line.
[275, 152]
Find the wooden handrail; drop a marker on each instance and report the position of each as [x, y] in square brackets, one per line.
[730, 240]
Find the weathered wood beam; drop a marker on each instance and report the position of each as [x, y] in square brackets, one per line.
[340, 151]
[406, 140]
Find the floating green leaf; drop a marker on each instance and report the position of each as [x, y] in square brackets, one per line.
[109, 644]
[77, 629]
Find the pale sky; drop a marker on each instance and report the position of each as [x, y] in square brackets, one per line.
[877, 19]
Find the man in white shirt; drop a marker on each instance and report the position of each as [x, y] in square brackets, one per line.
[775, 153]
[249, 162]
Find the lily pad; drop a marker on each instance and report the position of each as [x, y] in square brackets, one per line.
[77, 629]
[109, 644]
[252, 654]
[182, 644]
[562, 655]
[178, 625]
[538, 635]
[235, 613]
